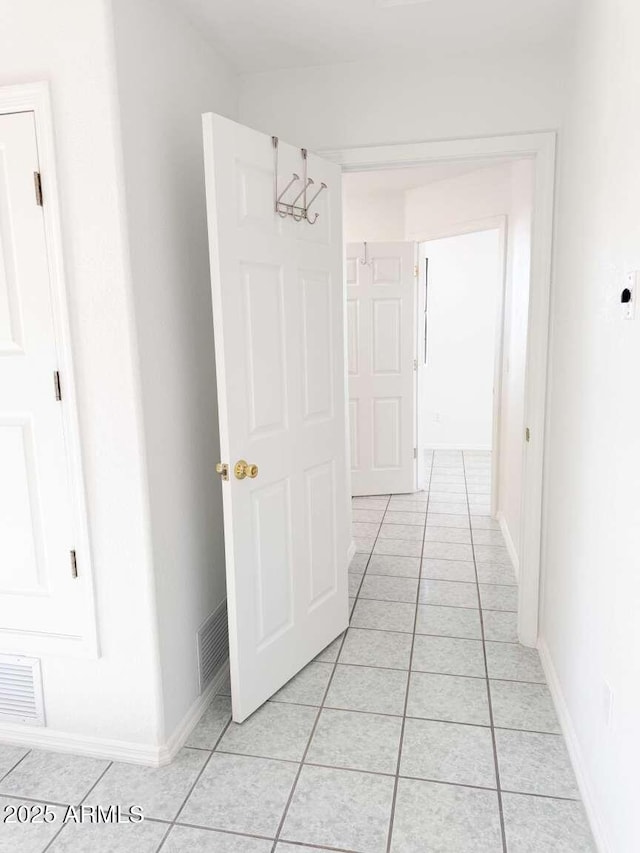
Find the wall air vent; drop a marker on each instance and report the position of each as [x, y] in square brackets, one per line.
[21, 698]
[213, 645]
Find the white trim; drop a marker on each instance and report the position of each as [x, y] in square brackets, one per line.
[508, 540]
[116, 750]
[180, 734]
[578, 763]
[93, 747]
[35, 98]
[419, 472]
[541, 147]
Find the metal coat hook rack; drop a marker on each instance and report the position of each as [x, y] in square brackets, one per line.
[298, 207]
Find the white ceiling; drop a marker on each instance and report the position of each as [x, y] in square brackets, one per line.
[259, 35]
[399, 180]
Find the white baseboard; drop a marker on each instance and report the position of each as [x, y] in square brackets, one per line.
[115, 750]
[508, 541]
[575, 753]
[178, 737]
[351, 551]
[93, 747]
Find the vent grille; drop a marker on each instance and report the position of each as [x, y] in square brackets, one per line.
[213, 645]
[21, 690]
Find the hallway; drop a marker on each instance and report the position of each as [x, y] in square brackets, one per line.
[482, 769]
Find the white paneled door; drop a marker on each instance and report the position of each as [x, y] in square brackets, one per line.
[277, 292]
[39, 595]
[381, 328]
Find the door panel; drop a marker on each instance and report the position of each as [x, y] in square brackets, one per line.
[38, 595]
[381, 305]
[277, 292]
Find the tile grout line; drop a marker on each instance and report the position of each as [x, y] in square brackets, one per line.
[322, 705]
[425, 671]
[445, 580]
[192, 787]
[359, 711]
[56, 835]
[486, 669]
[13, 767]
[406, 696]
[420, 633]
[461, 607]
[99, 779]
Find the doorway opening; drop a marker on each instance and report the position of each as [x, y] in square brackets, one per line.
[475, 217]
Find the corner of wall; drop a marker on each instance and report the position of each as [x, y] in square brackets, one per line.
[123, 227]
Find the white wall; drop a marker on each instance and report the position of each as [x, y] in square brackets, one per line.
[367, 103]
[591, 594]
[443, 207]
[456, 396]
[374, 217]
[114, 698]
[168, 75]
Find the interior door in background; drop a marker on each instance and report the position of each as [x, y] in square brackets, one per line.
[39, 595]
[381, 312]
[277, 288]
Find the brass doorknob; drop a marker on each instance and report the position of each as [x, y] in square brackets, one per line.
[243, 469]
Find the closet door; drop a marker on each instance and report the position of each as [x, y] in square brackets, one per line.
[381, 306]
[42, 600]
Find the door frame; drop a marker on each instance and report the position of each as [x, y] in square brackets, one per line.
[35, 98]
[490, 223]
[542, 148]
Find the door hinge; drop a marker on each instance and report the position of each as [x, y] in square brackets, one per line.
[415, 452]
[415, 363]
[527, 434]
[74, 564]
[415, 270]
[57, 387]
[37, 185]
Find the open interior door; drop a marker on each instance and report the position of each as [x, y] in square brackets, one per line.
[381, 325]
[278, 298]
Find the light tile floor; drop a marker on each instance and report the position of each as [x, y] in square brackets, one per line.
[426, 728]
